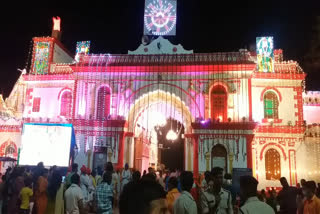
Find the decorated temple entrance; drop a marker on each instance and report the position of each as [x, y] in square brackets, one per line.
[171, 148]
[159, 127]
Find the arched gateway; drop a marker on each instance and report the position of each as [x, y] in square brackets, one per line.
[152, 117]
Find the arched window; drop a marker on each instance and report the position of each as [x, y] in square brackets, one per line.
[271, 105]
[10, 151]
[219, 103]
[103, 103]
[66, 104]
[273, 165]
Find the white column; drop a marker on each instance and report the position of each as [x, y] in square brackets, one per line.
[131, 152]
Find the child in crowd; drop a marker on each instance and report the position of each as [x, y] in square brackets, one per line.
[25, 195]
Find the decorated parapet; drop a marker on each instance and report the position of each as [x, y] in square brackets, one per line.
[265, 55]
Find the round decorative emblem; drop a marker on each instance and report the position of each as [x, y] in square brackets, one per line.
[160, 17]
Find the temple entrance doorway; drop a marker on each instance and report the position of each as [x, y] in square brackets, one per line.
[219, 157]
[159, 120]
[171, 145]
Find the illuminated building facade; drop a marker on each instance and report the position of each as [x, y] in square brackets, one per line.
[231, 109]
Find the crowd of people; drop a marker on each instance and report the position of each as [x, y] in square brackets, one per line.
[303, 199]
[106, 190]
[39, 189]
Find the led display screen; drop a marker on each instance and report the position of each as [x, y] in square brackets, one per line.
[41, 58]
[82, 47]
[265, 56]
[160, 17]
[47, 143]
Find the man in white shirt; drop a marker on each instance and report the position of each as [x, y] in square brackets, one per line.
[207, 200]
[74, 197]
[125, 176]
[248, 192]
[185, 204]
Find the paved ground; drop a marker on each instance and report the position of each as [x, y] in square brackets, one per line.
[115, 211]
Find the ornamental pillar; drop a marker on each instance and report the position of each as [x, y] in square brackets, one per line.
[109, 154]
[195, 157]
[249, 139]
[121, 150]
[230, 162]
[89, 153]
[207, 156]
[189, 156]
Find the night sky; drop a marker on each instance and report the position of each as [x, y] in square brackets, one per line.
[118, 27]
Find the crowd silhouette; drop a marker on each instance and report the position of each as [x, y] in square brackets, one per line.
[106, 190]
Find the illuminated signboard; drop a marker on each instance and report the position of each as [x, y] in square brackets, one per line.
[160, 17]
[41, 58]
[265, 57]
[82, 47]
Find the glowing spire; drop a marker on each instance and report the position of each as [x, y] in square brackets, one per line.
[56, 23]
